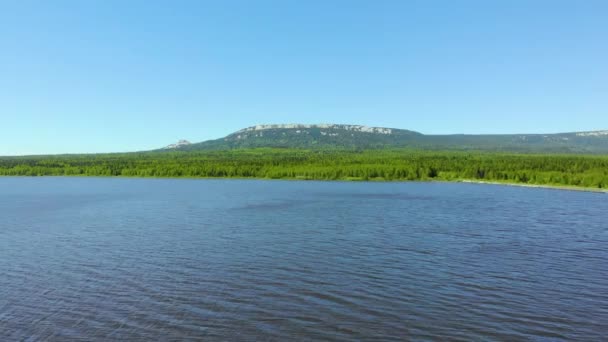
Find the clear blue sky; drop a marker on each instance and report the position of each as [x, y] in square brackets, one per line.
[97, 76]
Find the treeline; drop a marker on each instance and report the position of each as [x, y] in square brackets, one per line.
[565, 170]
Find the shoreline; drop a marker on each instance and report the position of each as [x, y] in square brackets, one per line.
[541, 186]
[469, 181]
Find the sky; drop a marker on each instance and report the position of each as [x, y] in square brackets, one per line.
[114, 75]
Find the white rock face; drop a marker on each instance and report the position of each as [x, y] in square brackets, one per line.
[355, 128]
[592, 134]
[178, 144]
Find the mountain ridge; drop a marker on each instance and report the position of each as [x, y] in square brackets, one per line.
[349, 136]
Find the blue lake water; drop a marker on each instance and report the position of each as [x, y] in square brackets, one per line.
[179, 259]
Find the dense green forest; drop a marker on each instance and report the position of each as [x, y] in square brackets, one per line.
[562, 170]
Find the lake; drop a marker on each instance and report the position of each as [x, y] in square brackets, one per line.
[179, 259]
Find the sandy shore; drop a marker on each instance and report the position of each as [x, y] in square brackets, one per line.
[555, 187]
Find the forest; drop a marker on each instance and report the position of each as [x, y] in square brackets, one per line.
[589, 171]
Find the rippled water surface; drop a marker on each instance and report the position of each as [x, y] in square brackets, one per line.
[152, 259]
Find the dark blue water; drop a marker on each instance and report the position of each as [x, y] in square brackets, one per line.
[150, 259]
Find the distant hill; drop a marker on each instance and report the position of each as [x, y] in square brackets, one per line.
[334, 136]
[179, 144]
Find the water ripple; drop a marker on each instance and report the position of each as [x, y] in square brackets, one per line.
[120, 259]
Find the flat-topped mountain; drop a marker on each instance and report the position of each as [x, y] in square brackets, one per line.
[354, 128]
[337, 136]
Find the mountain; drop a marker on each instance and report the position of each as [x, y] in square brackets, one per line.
[333, 136]
[179, 144]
